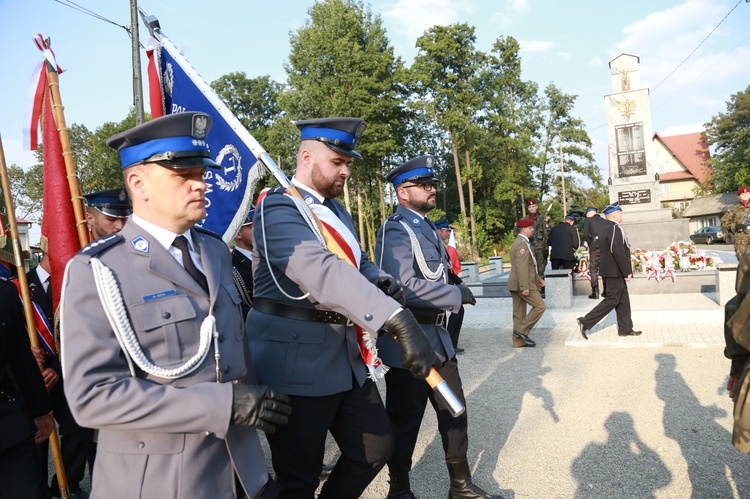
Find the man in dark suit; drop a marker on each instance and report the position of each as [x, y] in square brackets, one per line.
[616, 270]
[315, 318]
[591, 238]
[154, 349]
[24, 403]
[409, 248]
[242, 262]
[456, 320]
[77, 445]
[564, 241]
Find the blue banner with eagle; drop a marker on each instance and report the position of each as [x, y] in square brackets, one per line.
[174, 87]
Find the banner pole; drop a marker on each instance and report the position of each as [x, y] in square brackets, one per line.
[75, 193]
[54, 442]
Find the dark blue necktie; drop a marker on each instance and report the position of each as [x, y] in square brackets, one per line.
[181, 244]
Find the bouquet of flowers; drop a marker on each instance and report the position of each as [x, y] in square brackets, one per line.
[680, 255]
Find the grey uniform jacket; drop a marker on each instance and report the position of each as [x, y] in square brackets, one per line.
[394, 254]
[309, 358]
[159, 437]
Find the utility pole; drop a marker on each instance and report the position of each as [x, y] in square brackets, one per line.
[562, 176]
[137, 86]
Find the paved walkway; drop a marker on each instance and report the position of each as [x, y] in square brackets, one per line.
[603, 421]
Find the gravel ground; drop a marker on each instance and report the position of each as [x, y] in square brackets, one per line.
[602, 421]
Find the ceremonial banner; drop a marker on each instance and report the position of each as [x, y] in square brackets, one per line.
[453, 254]
[176, 87]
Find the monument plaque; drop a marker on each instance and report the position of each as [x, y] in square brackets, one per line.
[633, 179]
[640, 196]
[631, 150]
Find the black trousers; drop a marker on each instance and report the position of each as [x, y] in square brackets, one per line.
[77, 445]
[357, 421]
[559, 263]
[20, 475]
[594, 256]
[405, 401]
[617, 299]
[455, 321]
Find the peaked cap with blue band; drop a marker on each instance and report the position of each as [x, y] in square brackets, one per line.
[112, 202]
[340, 134]
[442, 224]
[612, 208]
[417, 170]
[249, 218]
[175, 141]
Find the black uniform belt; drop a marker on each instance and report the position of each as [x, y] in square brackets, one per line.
[423, 317]
[299, 313]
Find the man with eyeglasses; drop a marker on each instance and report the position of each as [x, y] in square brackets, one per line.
[409, 248]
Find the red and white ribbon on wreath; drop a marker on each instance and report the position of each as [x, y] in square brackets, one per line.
[35, 94]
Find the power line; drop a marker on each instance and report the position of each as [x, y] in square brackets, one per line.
[704, 72]
[89, 12]
[699, 45]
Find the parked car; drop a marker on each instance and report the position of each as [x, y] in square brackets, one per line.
[708, 235]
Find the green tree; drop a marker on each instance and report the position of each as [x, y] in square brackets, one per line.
[341, 64]
[445, 77]
[254, 101]
[729, 132]
[26, 189]
[511, 121]
[564, 140]
[97, 166]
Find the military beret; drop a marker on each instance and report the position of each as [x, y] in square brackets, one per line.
[419, 170]
[570, 217]
[249, 218]
[340, 134]
[743, 189]
[525, 222]
[612, 208]
[530, 201]
[442, 224]
[111, 202]
[175, 141]
[590, 209]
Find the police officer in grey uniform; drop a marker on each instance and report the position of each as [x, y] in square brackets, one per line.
[153, 346]
[314, 320]
[107, 211]
[409, 248]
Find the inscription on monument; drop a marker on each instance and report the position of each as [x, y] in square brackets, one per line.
[640, 196]
[631, 150]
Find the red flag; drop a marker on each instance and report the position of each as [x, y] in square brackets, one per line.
[155, 97]
[453, 254]
[58, 220]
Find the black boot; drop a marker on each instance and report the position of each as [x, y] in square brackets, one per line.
[594, 293]
[461, 485]
[400, 487]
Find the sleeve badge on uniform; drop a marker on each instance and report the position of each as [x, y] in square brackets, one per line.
[140, 244]
[522, 250]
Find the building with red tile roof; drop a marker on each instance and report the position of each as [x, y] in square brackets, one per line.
[680, 161]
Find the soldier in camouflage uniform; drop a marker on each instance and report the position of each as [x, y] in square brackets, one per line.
[539, 239]
[737, 221]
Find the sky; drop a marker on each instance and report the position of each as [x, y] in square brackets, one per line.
[694, 54]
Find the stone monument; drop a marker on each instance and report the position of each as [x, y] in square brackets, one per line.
[632, 178]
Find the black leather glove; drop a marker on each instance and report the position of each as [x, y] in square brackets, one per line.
[467, 297]
[259, 407]
[393, 288]
[740, 227]
[417, 354]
